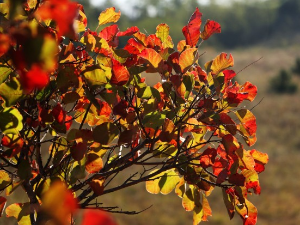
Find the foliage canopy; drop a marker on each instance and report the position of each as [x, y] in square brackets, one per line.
[76, 112]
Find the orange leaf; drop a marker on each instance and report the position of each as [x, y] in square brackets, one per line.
[248, 122]
[192, 30]
[94, 163]
[187, 58]
[120, 74]
[250, 89]
[251, 181]
[248, 213]
[152, 57]
[108, 16]
[221, 62]
[14, 142]
[97, 186]
[59, 202]
[210, 28]
[206, 208]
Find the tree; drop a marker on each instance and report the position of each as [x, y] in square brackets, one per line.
[76, 112]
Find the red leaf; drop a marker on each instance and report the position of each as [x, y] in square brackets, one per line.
[2, 204]
[4, 44]
[120, 74]
[130, 31]
[64, 12]
[97, 217]
[153, 41]
[59, 113]
[192, 30]
[110, 35]
[237, 179]
[207, 158]
[34, 78]
[14, 142]
[210, 28]
[250, 89]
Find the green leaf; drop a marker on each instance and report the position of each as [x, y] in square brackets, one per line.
[5, 71]
[96, 76]
[11, 121]
[105, 133]
[148, 92]
[45, 92]
[11, 91]
[154, 119]
[168, 181]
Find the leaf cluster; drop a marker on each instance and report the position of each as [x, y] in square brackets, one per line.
[76, 112]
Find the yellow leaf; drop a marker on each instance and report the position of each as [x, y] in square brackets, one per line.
[221, 62]
[187, 58]
[108, 16]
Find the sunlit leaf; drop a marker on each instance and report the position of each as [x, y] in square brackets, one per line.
[248, 123]
[154, 119]
[11, 121]
[221, 62]
[94, 163]
[4, 72]
[96, 76]
[20, 211]
[247, 212]
[152, 57]
[129, 31]
[148, 92]
[188, 202]
[187, 58]
[120, 74]
[14, 143]
[109, 15]
[192, 30]
[4, 179]
[168, 181]
[210, 28]
[162, 32]
[251, 181]
[229, 201]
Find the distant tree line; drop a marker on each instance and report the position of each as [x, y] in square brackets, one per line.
[271, 22]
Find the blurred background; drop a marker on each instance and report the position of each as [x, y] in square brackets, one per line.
[263, 30]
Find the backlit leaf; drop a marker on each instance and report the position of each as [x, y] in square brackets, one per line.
[188, 201]
[152, 185]
[187, 58]
[168, 181]
[20, 211]
[192, 30]
[154, 119]
[4, 179]
[11, 91]
[109, 15]
[129, 31]
[248, 213]
[152, 57]
[96, 76]
[97, 186]
[251, 181]
[221, 62]
[120, 74]
[4, 72]
[210, 28]
[229, 201]
[14, 143]
[11, 121]
[248, 123]
[162, 32]
[148, 92]
[94, 163]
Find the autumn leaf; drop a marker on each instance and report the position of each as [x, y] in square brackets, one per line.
[128, 32]
[192, 30]
[14, 143]
[152, 57]
[97, 217]
[120, 74]
[109, 15]
[64, 12]
[20, 211]
[187, 58]
[221, 62]
[2, 204]
[210, 28]
[58, 202]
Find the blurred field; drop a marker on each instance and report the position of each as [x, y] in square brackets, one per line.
[278, 135]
